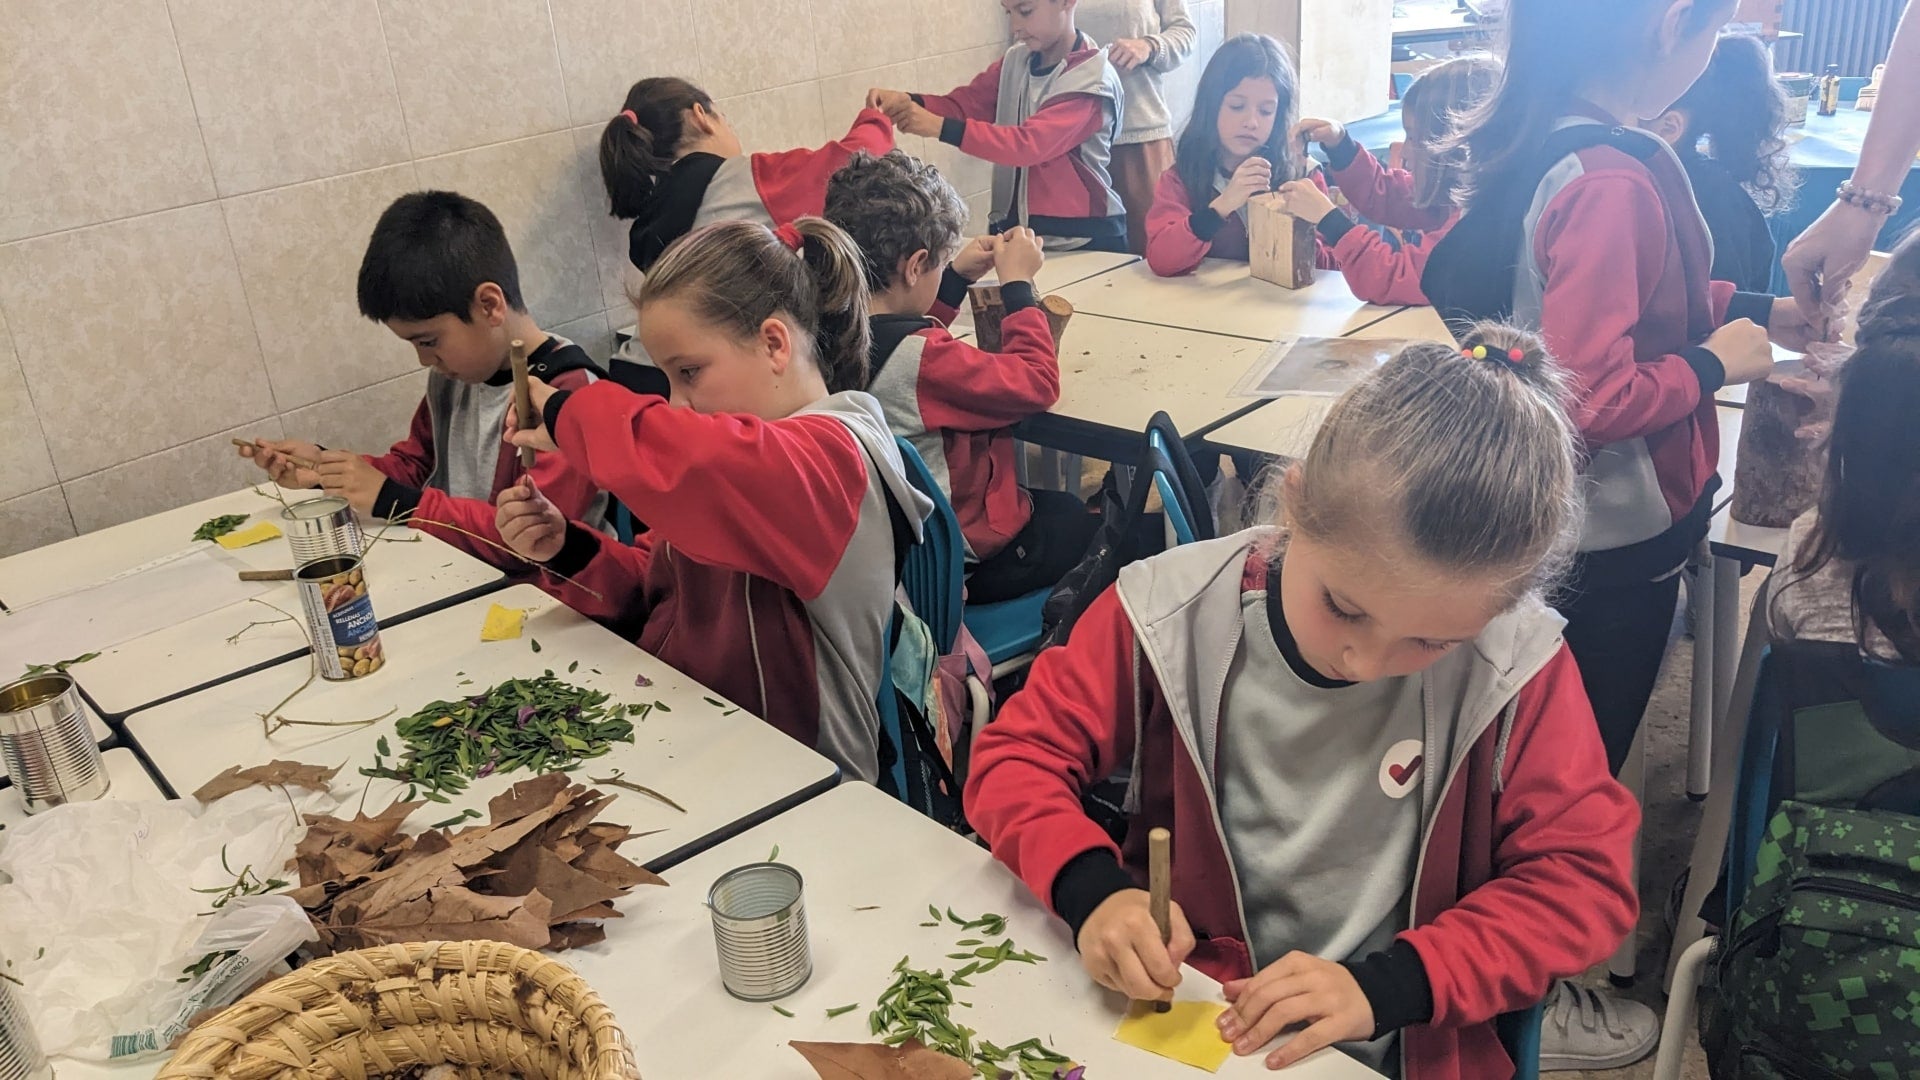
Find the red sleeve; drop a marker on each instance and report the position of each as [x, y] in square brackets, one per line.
[611, 587]
[1050, 133]
[793, 183]
[410, 461]
[1382, 271]
[978, 100]
[1602, 245]
[965, 388]
[1562, 896]
[1071, 727]
[779, 499]
[1384, 196]
[1172, 247]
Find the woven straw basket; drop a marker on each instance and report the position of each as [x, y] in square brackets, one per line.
[488, 1009]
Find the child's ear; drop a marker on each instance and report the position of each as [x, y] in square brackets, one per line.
[703, 118]
[490, 307]
[915, 266]
[1670, 126]
[776, 340]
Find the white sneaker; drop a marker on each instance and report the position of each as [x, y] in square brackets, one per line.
[1592, 1029]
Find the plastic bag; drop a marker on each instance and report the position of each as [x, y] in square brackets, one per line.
[246, 942]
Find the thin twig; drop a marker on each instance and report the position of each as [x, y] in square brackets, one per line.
[413, 521]
[235, 638]
[616, 781]
[274, 494]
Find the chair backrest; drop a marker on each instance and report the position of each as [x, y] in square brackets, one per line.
[935, 574]
[1182, 491]
[1520, 1034]
[1166, 482]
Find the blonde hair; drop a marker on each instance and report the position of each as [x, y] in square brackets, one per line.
[1468, 463]
[1431, 111]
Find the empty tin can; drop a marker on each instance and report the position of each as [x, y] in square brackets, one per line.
[321, 528]
[20, 1055]
[46, 745]
[760, 931]
[346, 636]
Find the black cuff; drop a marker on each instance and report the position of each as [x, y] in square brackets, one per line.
[1085, 883]
[1205, 222]
[1395, 982]
[1342, 154]
[1334, 226]
[953, 288]
[919, 99]
[1707, 368]
[1017, 295]
[581, 545]
[952, 130]
[395, 500]
[1749, 305]
[550, 415]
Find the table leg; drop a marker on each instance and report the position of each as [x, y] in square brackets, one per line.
[1633, 774]
[1702, 713]
[1726, 634]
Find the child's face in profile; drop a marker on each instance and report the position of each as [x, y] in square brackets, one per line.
[711, 370]
[471, 350]
[1038, 24]
[1247, 116]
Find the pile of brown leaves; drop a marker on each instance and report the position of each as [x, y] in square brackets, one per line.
[873, 1061]
[542, 874]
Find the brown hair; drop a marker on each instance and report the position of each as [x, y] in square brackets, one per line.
[1431, 110]
[640, 144]
[738, 274]
[893, 206]
[1468, 463]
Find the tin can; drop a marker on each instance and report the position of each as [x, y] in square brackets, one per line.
[20, 1054]
[760, 931]
[321, 529]
[46, 744]
[346, 636]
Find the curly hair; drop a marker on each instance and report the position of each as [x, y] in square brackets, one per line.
[1740, 111]
[893, 206]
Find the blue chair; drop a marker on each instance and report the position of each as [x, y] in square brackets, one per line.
[1520, 1034]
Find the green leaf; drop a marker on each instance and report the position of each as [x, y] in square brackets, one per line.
[783, 1012]
[841, 1010]
[219, 526]
[573, 667]
[774, 855]
[535, 642]
[381, 747]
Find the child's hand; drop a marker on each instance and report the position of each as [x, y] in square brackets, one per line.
[1129, 53]
[1304, 199]
[887, 100]
[536, 437]
[351, 477]
[1295, 989]
[1120, 947]
[1743, 350]
[1790, 329]
[1324, 132]
[1018, 256]
[1253, 177]
[916, 119]
[528, 523]
[276, 457]
[976, 258]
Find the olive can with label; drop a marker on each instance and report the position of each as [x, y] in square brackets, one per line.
[346, 636]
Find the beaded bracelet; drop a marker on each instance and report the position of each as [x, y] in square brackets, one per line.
[1870, 201]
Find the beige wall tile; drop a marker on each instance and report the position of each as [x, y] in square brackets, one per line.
[609, 233]
[299, 252]
[368, 420]
[980, 206]
[946, 25]
[592, 333]
[95, 117]
[852, 34]
[22, 446]
[598, 56]
[474, 73]
[33, 520]
[748, 45]
[288, 90]
[543, 194]
[782, 118]
[197, 470]
[134, 336]
[843, 96]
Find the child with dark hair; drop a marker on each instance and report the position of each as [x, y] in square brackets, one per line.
[672, 163]
[955, 402]
[440, 274]
[1046, 115]
[1728, 132]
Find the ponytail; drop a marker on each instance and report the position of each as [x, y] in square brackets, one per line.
[641, 143]
[738, 274]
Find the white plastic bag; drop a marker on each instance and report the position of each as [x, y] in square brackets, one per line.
[249, 938]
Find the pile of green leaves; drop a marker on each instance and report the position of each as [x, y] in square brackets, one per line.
[219, 526]
[541, 725]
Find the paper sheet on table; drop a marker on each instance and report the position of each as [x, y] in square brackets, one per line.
[258, 533]
[502, 623]
[1318, 366]
[1185, 1034]
[123, 607]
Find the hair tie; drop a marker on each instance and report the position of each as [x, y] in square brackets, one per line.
[1514, 358]
[630, 117]
[789, 234]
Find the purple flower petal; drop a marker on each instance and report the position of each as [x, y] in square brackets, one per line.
[642, 680]
[525, 714]
[485, 770]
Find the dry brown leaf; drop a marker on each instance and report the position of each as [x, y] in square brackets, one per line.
[273, 774]
[337, 850]
[874, 1061]
[574, 935]
[450, 914]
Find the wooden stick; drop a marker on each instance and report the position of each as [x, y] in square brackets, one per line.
[1160, 890]
[266, 575]
[298, 462]
[523, 397]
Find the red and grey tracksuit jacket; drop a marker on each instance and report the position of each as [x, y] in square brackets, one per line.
[772, 189]
[768, 570]
[1524, 871]
[453, 461]
[1181, 231]
[956, 404]
[1381, 267]
[1049, 134]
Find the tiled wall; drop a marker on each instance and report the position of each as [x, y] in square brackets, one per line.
[186, 186]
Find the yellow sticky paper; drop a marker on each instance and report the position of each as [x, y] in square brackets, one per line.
[503, 623]
[259, 533]
[1186, 1033]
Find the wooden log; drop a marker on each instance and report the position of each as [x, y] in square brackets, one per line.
[1281, 247]
[988, 310]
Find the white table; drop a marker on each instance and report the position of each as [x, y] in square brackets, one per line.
[127, 778]
[1221, 297]
[725, 769]
[1117, 373]
[857, 848]
[409, 573]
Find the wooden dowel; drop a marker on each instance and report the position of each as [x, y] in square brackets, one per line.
[266, 575]
[523, 398]
[1160, 890]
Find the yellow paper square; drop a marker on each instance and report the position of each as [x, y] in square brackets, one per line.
[503, 623]
[1186, 1033]
[258, 533]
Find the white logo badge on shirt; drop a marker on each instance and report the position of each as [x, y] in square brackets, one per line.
[1400, 769]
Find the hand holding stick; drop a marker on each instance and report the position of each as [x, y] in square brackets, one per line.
[522, 398]
[1160, 890]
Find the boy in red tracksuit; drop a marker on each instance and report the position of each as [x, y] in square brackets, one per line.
[954, 401]
[440, 274]
[1046, 115]
[1392, 820]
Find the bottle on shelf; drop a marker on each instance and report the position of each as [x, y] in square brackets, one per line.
[1830, 91]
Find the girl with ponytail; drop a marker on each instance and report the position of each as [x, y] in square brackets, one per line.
[775, 494]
